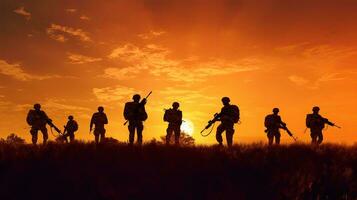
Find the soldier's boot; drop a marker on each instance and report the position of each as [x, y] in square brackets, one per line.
[320, 139]
[277, 139]
[34, 139]
[219, 132]
[168, 136]
[140, 129]
[96, 138]
[229, 136]
[131, 134]
[177, 139]
[45, 137]
[270, 140]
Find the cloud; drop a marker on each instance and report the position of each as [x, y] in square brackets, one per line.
[15, 71]
[81, 59]
[121, 74]
[71, 10]
[156, 59]
[316, 84]
[58, 32]
[151, 34]
[117, 93]
[23, 12]
[83, 17]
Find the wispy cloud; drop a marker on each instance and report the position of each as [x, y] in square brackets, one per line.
[81, 59]
[71, 10]
[121, 74]
[58, 32]
[21, 11]
[316, 84]
[117, 93]
[151, 34]
[84, 17]
[156, 59]
[15, 71]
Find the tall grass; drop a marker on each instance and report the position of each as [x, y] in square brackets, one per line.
[117, 171]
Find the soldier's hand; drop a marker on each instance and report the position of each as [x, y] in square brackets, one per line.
[144, 101]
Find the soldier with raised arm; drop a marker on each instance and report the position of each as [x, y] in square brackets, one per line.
[99, 119]
[174, 117]
[135, 114]
[316, 123]
[38, 120]
[228, 116]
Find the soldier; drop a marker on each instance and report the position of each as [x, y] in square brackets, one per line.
[70, 128]
[135, 113]
[38, 119]
[228, 116]
[316, 123]
[99, 119]
[174, 117]
[273, 123]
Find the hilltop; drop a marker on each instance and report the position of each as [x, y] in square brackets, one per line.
[116, 171]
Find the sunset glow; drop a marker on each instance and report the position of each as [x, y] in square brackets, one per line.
[72, 57]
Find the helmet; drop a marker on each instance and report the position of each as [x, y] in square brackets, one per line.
[226, 100]
[100, 109]
[136, 97]
[315, 109]
[37, 106]
[175, 105]
[275, 110]
[70, 117]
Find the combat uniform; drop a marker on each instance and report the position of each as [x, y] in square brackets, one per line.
[174, 117]
[135, 113]
[38, 120]
[229, 115]
[273, 123]
[316, 123]
[99, 119]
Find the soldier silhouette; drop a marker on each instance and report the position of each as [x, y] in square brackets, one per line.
[38, 120]
[69, 129]
[174, 117]
[135, 113]
[228, 116]
[99, 119]
[316, 123]
[273, 123]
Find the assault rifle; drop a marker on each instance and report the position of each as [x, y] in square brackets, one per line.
[142, 103]
[284, 127]
[216, 117]
[49, 122]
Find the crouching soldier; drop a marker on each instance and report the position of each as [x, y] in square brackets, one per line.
[38, 120]
[99, 119]
[69, 129]
[174, 117]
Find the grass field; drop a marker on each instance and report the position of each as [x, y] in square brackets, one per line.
[116, 171]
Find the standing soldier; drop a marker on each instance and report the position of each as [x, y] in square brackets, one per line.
[273, 123]
[70, 128]
[174, 117]
[99, 119]
[228, 116]
[316, 123]
[38, 119]
[135, 113]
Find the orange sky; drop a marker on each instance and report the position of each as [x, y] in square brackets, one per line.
[75, 55]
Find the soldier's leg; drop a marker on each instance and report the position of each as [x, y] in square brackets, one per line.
[139, 130]
[277, 138]
[313, 138]
[34, 133]
[102, 136]
[229, 135]
[320, 137]
[169, 131]
[177, 131]
[220, 130]
[270, 138]
[45, 134]
[96, 136]
[71, 137]
[131, 129]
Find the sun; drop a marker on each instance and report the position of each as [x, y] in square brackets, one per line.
[187, 127]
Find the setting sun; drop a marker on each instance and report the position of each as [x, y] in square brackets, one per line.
[187, 127]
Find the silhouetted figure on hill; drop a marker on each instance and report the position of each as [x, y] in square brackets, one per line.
[69, 129]
[38, 120]
[99, 119]
[228, 116]
[316, 123]
[174, 117]
[135, 113]
[273, 123]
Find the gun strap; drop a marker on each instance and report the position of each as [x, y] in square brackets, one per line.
[205, 135]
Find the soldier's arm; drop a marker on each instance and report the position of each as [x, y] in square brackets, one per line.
[105, 119]
[91, 123]
[125, 113]
[328, 122]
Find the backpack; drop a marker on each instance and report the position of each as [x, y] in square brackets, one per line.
[236, 113]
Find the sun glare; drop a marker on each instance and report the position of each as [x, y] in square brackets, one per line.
[187, 127]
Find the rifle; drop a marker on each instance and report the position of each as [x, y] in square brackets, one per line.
[49, 122]
[216, 117]
[141, 104]
[289, 132]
